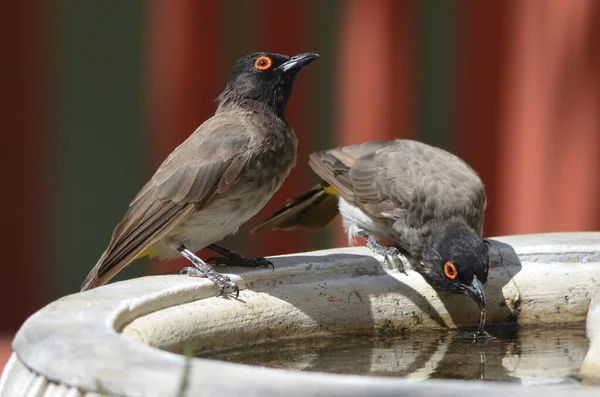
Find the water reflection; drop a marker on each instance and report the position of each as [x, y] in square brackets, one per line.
[525, 355]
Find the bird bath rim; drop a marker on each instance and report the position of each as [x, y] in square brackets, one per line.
[102, 339]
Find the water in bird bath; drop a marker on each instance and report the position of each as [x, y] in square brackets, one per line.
[530, 355]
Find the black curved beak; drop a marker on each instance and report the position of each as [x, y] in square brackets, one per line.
[475, 291]
[297, 62]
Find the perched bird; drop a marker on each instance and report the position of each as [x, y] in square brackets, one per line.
[427, 202]
[217, 179]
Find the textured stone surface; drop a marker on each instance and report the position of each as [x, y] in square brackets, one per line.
[77, 340]
[590, 368]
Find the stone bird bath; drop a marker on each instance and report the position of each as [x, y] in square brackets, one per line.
[126, 339]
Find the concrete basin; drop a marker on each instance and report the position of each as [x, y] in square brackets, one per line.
[126, 338]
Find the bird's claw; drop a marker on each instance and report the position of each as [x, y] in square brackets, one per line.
[236, 289]
[240, 261]
[221, 280]
[395, 258]
[219, 260]
[260, 261]
[191, 271]
[232, 258]
[231, 285]
[393, 255]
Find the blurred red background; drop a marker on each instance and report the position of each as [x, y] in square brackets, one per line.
[95, 95]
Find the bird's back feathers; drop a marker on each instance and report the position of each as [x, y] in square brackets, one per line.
[404, 180]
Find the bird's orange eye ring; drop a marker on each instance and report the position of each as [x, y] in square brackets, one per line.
[450, 270]
[263, 63]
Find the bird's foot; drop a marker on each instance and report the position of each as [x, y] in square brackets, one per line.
[394, 258]
[201, 269]
[232, 258]
[393, 255]
[240, 261]
[401, 262]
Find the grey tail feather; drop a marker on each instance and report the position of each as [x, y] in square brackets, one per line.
[314, 209]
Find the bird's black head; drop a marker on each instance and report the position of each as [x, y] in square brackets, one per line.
[264, 79]
[456, 259]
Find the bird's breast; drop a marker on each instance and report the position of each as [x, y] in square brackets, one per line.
[272, 159]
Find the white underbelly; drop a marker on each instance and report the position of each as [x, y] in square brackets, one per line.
[354, 220]
[209, 225]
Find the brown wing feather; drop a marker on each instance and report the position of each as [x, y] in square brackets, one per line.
[405, 180]
[364, 175]
[204, 166]
[415, 183]
[335, 165]
[332, 170]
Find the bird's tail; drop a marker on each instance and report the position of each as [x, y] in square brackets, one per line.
[93, 278]
[103, 271]
[312, 210]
